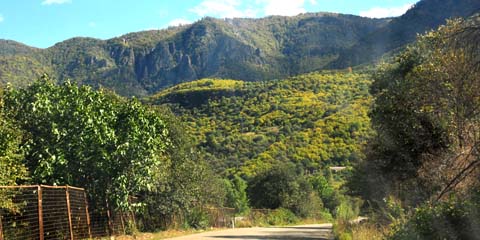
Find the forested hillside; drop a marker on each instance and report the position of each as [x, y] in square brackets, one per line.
[275, 47]
[312, 120]
[420, 174]
[247, 49]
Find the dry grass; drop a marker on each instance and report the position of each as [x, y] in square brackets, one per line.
[163, 234]
[367, 232]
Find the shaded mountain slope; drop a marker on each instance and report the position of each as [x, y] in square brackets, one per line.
[424, 16]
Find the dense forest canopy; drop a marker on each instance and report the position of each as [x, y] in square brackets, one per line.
[312, 120]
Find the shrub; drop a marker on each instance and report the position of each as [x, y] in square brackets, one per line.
[236, 195]
[281, 216]
[448, 220]
[345, 236]
[367, 231]
[348, 209]
[197, 218]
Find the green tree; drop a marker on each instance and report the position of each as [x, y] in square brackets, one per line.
[93, 139]
[236, 194]
[12, 169]
[325, 190]
[281, 187]
[427, 116]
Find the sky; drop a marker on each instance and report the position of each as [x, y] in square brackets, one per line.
[42, 23]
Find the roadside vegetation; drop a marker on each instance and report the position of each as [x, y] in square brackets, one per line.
[119, 149]
[419, 178]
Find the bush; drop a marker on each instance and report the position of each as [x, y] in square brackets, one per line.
[236, 194]
[325, 215]
[197, 218]
[367, 231]
[309, 206]
[281, 216]
[448, 220]
[348, 209]
[275, 188]
[345, 236]
[329, 196]
[282, 187]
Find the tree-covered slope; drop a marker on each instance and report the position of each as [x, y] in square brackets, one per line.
[9, 47]
[312, 120]
[246, 49]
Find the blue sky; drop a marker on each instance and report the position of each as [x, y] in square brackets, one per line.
[42, 23]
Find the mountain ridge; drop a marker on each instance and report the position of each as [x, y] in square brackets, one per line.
[274, 47]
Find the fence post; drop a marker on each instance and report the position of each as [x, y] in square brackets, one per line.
[110, 224]
[40, 213]
[69, 212]
[122, 222]
[1, 228]
[87, 214]
[133, 219]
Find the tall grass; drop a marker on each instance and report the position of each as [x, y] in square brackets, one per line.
[346, 211]
[367, 231]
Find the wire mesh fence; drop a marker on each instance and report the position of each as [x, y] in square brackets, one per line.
[255, 214]
[20, 221]
[61, 212]
[220, 217]
[44, 212]
[110, 223]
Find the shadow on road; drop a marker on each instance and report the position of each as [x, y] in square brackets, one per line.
[309, 228]
[275, 237]
[312, 231]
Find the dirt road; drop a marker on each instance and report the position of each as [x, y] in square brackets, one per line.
[313, 231]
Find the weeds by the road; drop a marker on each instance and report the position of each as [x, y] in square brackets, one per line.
[367, 231]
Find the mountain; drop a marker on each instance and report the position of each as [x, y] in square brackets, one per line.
[312, 120]
[9, 47]
[424, 16]
[275, 47]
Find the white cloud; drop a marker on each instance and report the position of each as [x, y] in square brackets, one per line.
[379, 12]
[241, 8]
[179, 22]
[1, 18]
[50, 2]
[284, 7]
[223, 9]
[92, 24]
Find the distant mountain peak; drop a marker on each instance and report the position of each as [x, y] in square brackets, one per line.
[273, 47]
